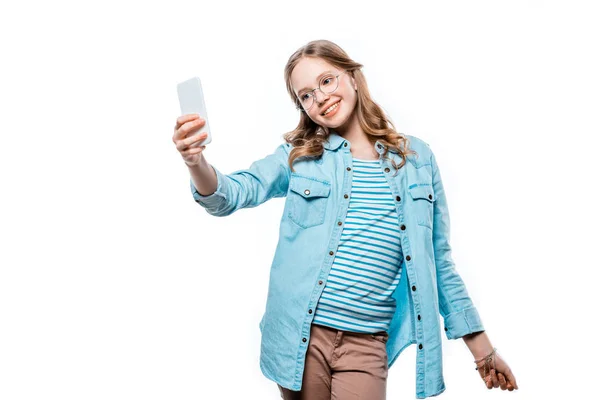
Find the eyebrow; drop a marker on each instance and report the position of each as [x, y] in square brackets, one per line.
[318, 77]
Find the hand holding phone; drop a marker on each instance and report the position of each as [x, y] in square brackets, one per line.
[185, 138]
[191, 101]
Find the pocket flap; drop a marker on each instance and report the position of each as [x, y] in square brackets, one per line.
[422, 192]
[308, 187]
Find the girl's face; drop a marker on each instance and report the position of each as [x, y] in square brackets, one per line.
[308, 74]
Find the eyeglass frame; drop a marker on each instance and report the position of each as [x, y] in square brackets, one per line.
[312, 92]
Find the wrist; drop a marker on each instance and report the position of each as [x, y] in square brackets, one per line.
[479, 344]
[201, 162]
[485, 357]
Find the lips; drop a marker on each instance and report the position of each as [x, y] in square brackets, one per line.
[327, 107]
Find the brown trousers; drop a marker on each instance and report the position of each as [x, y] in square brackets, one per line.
[342, 365]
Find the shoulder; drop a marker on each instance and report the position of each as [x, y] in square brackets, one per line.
[418, 144]
[285, 147]
[422, 148]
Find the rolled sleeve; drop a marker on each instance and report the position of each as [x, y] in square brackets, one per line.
[212, 201]
[463, 322]
[264, 179]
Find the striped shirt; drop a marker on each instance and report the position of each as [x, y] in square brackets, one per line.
[366, 269]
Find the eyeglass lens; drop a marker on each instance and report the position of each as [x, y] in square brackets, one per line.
[328, 84]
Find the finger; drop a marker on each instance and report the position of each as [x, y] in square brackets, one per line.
[502, 380]
[183, 144]
[511, 379]
[192, 150]
[191, 140]
[188, 127]
[495, 381]
[488, 382]
[185, 118]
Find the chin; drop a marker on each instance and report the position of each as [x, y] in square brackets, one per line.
[340, 120]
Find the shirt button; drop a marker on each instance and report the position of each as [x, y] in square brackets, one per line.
[378, 146]
[445, 328]
[430, 197]
[420, 346]
[304, 339]
[407, 258]
[348, 168]
[345, 144]
[397, 198]
[403, 227]
[345, 196]
[310, 311]
[419, 317]
[414, 288]
[331, 253]
[307, 192]
[320, 282]
[387, 170]
[339, 222]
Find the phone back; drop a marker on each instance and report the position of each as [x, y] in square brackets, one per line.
[191, 101]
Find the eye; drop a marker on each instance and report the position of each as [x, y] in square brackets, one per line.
[304, 96]
[327, 80]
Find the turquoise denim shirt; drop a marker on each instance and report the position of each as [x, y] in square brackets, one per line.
[318, 193]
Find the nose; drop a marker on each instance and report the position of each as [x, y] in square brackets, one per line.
[320, 97]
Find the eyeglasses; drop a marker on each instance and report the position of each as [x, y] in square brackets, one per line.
[328, 84]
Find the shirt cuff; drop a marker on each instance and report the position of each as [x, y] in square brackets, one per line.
[214, 200]
[461, 323]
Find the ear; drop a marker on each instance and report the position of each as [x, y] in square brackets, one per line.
[354, 84]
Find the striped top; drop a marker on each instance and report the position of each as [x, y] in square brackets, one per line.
[366, 269]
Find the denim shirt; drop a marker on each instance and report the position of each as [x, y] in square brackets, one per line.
[317, 197]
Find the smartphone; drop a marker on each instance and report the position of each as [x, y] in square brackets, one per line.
[191, 101]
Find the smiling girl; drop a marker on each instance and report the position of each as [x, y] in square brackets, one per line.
[363, 265]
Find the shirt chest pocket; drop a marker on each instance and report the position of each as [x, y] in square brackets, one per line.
[422, 202]
[307, 200]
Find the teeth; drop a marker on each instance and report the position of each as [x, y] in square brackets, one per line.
[331, 108]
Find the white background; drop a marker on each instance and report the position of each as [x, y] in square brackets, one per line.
[115, 284]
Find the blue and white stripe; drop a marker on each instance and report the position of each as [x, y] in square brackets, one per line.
[365, 272]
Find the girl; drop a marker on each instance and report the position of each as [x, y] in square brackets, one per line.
[363, 265]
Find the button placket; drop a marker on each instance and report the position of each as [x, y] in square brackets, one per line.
[416, 304]
[331, 252]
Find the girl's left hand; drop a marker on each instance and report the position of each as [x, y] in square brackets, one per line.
[498, 376]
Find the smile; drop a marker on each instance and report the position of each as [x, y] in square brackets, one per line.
[333, 107]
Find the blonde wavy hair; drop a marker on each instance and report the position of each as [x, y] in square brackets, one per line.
[308, 137]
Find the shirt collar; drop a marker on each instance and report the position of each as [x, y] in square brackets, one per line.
[334, 141]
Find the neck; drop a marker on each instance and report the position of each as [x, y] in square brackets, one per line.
[352, 132]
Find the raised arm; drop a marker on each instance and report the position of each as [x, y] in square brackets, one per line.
[264, 179]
